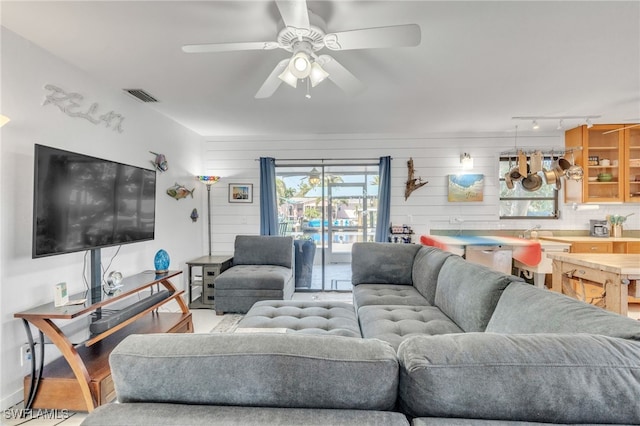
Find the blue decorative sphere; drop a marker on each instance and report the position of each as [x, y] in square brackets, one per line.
[161, 261]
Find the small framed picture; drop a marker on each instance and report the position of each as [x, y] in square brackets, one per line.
[241, 193]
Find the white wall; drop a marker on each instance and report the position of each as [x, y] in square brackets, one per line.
[434, 156]
[27, 282]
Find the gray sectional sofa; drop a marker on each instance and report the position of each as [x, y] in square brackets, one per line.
[444, 342]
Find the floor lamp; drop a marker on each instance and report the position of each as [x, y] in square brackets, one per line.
[208, 180]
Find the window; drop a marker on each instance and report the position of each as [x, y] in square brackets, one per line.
[518, 203]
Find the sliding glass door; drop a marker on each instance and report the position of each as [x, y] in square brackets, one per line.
[326, 208]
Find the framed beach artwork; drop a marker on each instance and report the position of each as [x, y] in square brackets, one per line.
[466, 187]
[241, 193]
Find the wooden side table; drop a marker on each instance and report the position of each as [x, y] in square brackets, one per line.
[209, 267]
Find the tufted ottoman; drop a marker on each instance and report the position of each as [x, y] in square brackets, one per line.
[387, 294]
[394, 324]
[298, 316]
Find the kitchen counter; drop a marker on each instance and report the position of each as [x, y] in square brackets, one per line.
[495, 252]
[626, 245]
[538, 272]
[590, 239]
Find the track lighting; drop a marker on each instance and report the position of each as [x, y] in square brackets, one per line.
[561, 119]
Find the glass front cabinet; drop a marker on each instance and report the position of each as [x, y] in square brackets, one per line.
[610, 157]
[632, 164]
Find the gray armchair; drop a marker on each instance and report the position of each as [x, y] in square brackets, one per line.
[262, 270]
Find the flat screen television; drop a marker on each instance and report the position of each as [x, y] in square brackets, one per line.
[87, 203]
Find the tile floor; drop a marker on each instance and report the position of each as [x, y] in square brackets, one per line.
[203, 321]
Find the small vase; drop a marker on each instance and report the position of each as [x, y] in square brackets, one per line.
[161, 262]
[616, 231]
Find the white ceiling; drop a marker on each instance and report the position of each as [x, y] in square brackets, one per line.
[479, 63]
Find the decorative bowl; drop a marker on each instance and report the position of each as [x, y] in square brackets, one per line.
[605, 177]
[593, 178]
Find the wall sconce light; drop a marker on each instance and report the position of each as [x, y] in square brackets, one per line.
[466, 161]
[4, 120]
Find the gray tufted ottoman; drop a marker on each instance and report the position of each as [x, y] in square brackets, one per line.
[297, 316]
[394, 324]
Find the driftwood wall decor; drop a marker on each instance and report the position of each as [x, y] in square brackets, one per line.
[412, 183]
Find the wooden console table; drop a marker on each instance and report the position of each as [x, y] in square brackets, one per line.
[617, 274]
[80, 380]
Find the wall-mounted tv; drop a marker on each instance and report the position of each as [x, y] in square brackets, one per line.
[85, 203]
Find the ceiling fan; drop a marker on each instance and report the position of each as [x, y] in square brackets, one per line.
[303, 33]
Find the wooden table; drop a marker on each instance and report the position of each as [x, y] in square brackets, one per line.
[618, 274]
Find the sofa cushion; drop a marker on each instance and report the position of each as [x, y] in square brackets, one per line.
[555, 378]
[426, 268]
[394, 324]
[527, 309]
[387, 294]
[150, 414]
[263, 250]
[257, 369]
[299, 316]
[449, 421]
[382, 263]
[468, 293]
[253, 277]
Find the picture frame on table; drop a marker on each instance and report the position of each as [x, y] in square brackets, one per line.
[241, 193]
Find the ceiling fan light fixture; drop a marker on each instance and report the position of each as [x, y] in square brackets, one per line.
[289, 78]
[317, 74]
[300, 65]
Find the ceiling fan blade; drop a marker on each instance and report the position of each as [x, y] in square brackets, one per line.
[230, 47]
[272, 82]
[341, 76]
[370, 38]
[294, 13]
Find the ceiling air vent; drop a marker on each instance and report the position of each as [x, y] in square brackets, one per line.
[141, 94]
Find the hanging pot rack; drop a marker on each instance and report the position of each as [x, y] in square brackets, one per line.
[545, 152]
